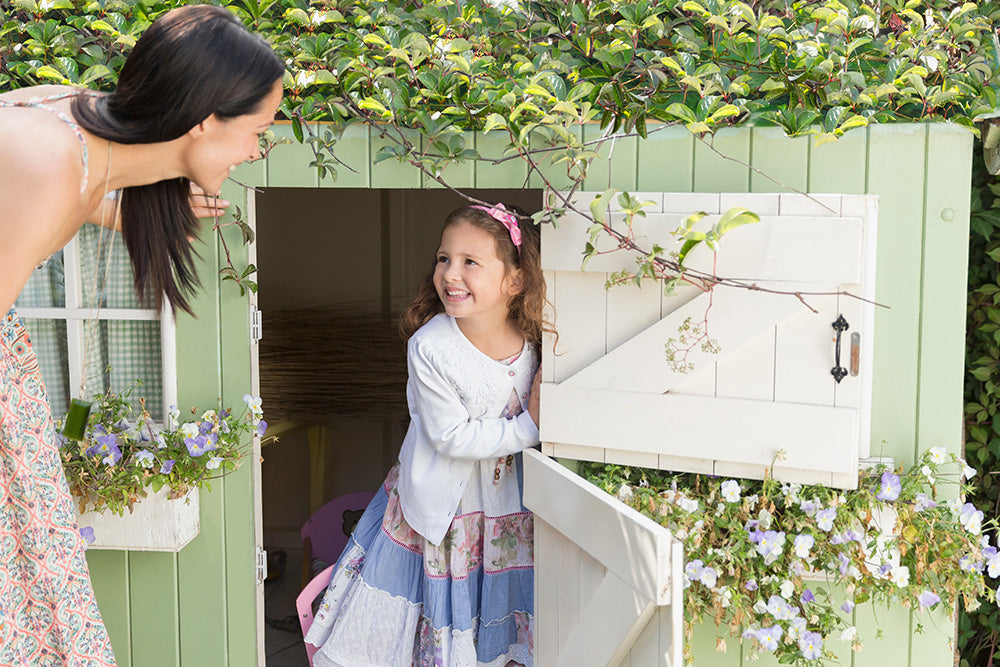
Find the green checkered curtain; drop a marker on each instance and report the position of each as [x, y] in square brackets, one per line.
[46, 288]
[124, 351]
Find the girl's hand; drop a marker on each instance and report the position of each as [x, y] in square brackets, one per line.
[205, 205]
[533, 397]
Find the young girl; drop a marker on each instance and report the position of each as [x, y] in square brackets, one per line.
[439, 569]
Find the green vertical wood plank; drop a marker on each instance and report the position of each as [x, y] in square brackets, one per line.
[780, 158]
[110, 577]
[201, 572]
[288, 164]
[943, 284]
[665, 160]
[237, 487]
[456, 174]
[512, 173]
[352, 148]
[885, 635]
[841, 166]
[715, 173]
[392, 173]
[556, 174]
[897, 284]
[616, 171]
[704, 640]
[153, 603]
[933, 639]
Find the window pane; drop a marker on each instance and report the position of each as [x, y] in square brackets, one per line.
[46, 288]
[48, 339]
[112, 271]
[123, 352]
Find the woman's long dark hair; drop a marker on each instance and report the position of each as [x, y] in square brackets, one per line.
[192, 62]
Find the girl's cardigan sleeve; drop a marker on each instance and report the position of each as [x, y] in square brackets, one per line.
[442, 420]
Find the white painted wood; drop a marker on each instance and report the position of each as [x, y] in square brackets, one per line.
[810, 249]
[603, 573]
[771, 384]
[632, 546]
[641, 365]
[725, 429]
[609, 624]
[156, 523]
[580, 304]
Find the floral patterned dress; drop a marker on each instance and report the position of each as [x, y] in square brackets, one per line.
[48, 614]
[396, 600]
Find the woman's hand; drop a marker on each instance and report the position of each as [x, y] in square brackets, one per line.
[205, 205]
[533, 397]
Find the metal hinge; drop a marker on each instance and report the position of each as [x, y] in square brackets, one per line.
[256, 325]
[261, 565]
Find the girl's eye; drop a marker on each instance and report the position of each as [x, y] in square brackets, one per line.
[442, 259]
[470, 261]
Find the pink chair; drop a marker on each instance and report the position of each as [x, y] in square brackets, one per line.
[304, 603]
[324, 537]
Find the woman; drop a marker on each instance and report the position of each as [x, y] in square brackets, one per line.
[192, 100]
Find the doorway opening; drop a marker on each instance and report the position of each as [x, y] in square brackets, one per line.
[335, 268]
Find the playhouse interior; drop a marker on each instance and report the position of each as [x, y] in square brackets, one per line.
[335, 268]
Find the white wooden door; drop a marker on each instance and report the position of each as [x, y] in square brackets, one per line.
[608, 580]
[768, 397]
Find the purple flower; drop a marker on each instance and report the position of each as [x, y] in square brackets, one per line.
[197, 446]
[768, 637]
[929, 599]
[87, 533]
[970, 518]
[891, 487]
[751, 585]
[261, 427]
[848, 606]
[807, 596]
[100, 430]
[811, 645]
[224, 426]
[809, 506]
[205, 427]
[771, 543]
[167, 466]
[103, 445]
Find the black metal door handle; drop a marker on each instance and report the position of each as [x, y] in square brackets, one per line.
[840, 326]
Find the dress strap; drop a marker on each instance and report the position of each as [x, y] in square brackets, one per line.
[42, 103]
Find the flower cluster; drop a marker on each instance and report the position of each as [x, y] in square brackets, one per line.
[781, 566]
[124, 455]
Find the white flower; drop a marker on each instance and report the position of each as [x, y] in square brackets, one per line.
[752, 501]
[849, 634]
[161, 442]
[901, 576]
[764, 520]
[174, 412]
[709, 577]
[207, 414]
[213, 462]
[688, 504]
[189, 430]
[928, 473]
[625, 493]
[938, 455]
[791, 491]
[802, 544]
[731, 490]
[144, 458]
[760, 607]
[726, 596]
[786, 589]
[967, 471]
[254, 403]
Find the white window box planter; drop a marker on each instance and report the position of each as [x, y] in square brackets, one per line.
[156, 523]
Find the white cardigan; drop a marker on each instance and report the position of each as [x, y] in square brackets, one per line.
[456, 395]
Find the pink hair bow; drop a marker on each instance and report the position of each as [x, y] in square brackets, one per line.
[507, 219]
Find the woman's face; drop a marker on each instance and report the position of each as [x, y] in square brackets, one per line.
[223, 144]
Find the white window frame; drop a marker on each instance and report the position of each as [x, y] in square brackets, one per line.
[75, 314]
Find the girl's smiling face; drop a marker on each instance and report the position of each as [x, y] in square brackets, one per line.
[471, 280]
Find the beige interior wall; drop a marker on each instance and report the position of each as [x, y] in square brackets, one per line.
[321, 247]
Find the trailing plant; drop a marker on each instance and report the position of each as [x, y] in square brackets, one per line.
[124, 455]
[979, 629]
[781, 566]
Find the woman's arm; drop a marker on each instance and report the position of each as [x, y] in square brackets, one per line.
[203, 205]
